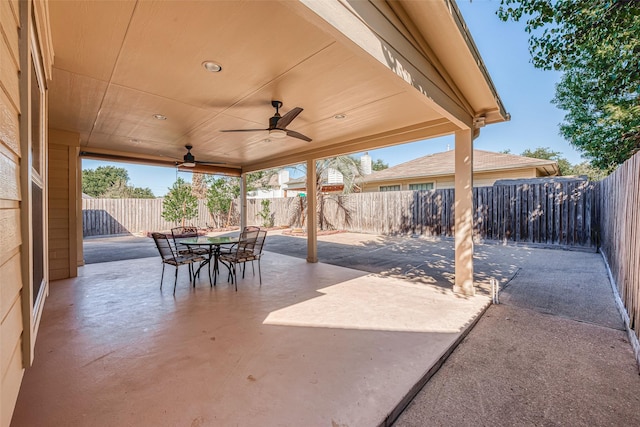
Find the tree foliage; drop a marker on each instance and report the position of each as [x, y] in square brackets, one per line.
[121, 190]
[548, 154]
[566, 168]
[199, 185]
[179, 205]
[595, 44]
[111, 182]
[96, 182]
[220, 197]
[379, 165]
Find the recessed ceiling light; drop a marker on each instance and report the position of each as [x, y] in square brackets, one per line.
[159, 117]
[267, 140]
[212, 66]
[340, 116]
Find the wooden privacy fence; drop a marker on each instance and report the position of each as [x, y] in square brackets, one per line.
[619, 219]
[102, 217]
[558, 213]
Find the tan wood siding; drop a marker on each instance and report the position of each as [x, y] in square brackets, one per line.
[11, 282]
[11, 384]
[58, 212]
[9, 123]
[9, 20]
[8, 73]
[63, 211]
[9, 178]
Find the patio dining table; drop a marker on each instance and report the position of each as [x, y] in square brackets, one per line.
[215, 246]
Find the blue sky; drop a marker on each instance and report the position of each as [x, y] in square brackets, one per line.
[525, 91]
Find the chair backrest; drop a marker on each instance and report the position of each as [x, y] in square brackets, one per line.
[260, 241]
[163, 245]
[248, 229]
[188, 231]
[248, 239]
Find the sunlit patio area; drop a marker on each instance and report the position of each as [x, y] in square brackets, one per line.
[316, 344]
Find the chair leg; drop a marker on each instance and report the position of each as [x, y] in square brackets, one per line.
[175, 282]
[162, 277]
[259, 271]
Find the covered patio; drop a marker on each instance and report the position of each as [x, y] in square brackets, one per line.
[140, 82]
[316, 344]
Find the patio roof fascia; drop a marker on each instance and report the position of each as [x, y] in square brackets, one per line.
[372, 35]
[433, 129]
[145, 159]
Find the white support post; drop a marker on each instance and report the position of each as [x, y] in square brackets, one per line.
[243, 201]
[464, 213]
[312, 213]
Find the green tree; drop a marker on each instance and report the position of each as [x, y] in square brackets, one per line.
[220, 197]
[265, 213]
[547, 154]
[120, 190]
[179, 204]
[379, 165]
[199, 185]
[595, 44]
[585, 168]
[96, 182]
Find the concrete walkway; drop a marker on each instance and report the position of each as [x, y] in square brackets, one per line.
[553, 353]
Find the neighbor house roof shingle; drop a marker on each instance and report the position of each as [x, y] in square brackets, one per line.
[444, 164]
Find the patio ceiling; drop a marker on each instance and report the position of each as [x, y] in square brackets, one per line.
[399, 71]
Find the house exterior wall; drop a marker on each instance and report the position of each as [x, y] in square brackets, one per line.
[480, 179]
[23, 30]
[10, 195]
[63, 204]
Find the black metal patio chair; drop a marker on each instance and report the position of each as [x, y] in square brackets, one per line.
[241, 252]
[187, 232]
[257, 254]
[169, 256]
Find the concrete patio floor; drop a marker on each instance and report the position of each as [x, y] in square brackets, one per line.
[324, 344]
[316, 344]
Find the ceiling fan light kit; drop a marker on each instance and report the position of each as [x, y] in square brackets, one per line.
[277, 133]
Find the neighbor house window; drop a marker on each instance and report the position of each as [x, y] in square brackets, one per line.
[389, 188]
[422, 186]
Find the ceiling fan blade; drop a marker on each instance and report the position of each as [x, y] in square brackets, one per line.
[198, 162]
[284, 121]
[298, 135]
[243, 130]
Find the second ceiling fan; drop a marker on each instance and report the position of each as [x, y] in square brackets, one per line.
[278, 124]
[189, 160]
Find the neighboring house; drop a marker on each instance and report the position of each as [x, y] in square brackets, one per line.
[436, 171]
[271, 187]
[332, 182]
[332, 179]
